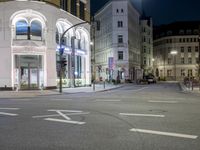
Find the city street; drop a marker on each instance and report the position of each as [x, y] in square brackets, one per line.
[133, 117]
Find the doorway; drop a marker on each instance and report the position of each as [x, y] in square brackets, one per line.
[29, 71]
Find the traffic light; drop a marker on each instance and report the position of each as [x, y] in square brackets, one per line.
[63, 62]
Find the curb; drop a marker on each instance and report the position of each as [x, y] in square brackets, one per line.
[110, 89]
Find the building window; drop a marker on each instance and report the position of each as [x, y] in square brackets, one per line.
[120, 38]
[144, 60]
[197, 60]
[182, 60]
[36, 30]
[182, 72]
[120, 55]
[144, 39]
[196, 49]
[63, 5]
[82, 10]
[189, 49]
[189, 60]
[180, 40]
[169, 61]
[183, 39]
[190, 73]
[73, 7]
[169, 73]
[120, 24]
[122, 10]
[21, 29]
[117, 10]
[144, 49]
[182, 49]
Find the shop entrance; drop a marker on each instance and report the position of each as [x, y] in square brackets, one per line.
[29, 71]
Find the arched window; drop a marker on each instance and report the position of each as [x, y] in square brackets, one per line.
[21, 29]
[36, 30]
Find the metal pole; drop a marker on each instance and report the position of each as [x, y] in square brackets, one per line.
[73, 62]
[60, 55]
[199, 59]
[175, 66]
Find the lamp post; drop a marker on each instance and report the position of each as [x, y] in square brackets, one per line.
[174, 53]
[61, 50]
[199, 59]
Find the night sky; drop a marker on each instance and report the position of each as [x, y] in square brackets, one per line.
[162, 11]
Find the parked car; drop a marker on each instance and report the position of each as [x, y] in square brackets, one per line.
[150, 78]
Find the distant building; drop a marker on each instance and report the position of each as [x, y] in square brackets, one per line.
[30, 34]
[181, 38]
[117, 41]
[146, 25]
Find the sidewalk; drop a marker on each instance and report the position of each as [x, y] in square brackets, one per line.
[34, 93]
[186, 89]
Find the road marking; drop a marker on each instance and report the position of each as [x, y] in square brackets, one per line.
[64, 114]
[65, 121]
[165, 133]
[71, 111]
[56, 115]
[140, 89]
[170, 102]
[107, 100]
[8, 114]
[61, 99]
[141, 115]
[9, 108]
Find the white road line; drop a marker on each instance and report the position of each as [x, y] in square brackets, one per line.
[56, 115]
[8, 114]
[165, 133]
[63, 115]
[9, 108]
[21, 99]
[65, 121]
[141, 115]
[106, 100]
[170, 102]
[70, 111]
[140, 89]
[61, 99]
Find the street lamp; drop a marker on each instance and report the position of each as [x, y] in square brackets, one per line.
[61, 55]
[174, 53]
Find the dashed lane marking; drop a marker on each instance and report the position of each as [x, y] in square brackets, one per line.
[141, 115]
[169, 102]
[8, 114]
[179, 135]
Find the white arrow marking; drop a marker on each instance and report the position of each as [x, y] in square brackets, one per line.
[65, 121]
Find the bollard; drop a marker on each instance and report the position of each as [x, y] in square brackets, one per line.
[104, 85]
[93, 85]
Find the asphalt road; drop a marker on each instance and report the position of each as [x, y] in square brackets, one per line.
[145, 117]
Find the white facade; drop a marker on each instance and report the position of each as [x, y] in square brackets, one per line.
[117, 43]
[28, 47]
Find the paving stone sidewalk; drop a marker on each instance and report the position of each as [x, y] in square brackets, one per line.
[34, 93]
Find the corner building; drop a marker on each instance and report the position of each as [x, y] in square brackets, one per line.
[29, 44]
[182, 37]
[117, 41]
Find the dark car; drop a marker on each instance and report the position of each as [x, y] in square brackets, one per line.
[150, 79]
